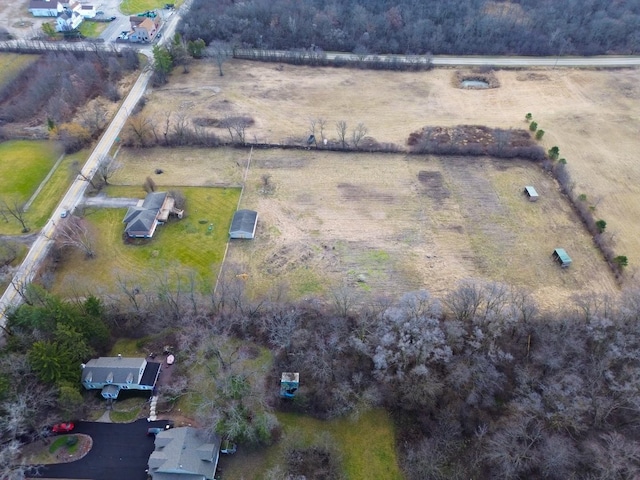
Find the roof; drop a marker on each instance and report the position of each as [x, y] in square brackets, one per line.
[531, 191]
[243, 224]
[184, 452]
[562, 255]
[141, 219]
[43, 4]
[113, 370]
[147, 23]
[150, 375]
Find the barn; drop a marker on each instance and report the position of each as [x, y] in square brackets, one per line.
[560, 256]
[244, 224]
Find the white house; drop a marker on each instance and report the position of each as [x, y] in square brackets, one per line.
[68, 20]
[87, 11]
[45, 8]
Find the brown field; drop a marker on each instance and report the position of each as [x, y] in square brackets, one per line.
[591, 115]
[387, 224]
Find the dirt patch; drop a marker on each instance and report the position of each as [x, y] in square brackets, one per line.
[478, 80]
[433, 186]
[532, 77]
[353, 192]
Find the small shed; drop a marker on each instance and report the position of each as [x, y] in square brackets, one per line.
[244, 224]
[560, 256]
[531, 193]
[289, 384]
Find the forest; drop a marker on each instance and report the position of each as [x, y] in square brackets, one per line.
[481, 383]
[454, 27]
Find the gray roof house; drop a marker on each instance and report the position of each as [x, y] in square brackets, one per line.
[154, 210]
[112, 374]
[45, 8]
[184, 453]
[244, 224]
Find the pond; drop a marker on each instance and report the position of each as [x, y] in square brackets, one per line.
[474, 84]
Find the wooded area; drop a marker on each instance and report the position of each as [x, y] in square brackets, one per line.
[481, 383]
[462, 27]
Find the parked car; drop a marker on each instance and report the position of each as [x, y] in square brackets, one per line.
[153, 431]
[63, 427]
[64, 213]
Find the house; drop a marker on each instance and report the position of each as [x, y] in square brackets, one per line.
[531, 193]
[68, 20]
[560, 256]
[87, 11]
[184, 452]
[45, 8]
[144, 29]
[244, 224]
[154, 210]
[112, 374]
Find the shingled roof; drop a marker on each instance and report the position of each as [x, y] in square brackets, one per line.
[244, 224]
[184, 452]
[142, 220]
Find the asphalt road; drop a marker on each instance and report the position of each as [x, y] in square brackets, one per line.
[120, 451]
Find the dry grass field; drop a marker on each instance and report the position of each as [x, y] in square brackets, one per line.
[591, 115]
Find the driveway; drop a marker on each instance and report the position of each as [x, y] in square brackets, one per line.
[101, 200]
[120, 451]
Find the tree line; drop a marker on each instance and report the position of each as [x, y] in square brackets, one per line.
[481, 383]
[461, 27]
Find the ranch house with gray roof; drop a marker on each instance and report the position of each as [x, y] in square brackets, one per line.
[154, 210]
[112, 374]
[184, 453]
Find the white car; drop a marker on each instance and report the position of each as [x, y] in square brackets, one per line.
[64, 213]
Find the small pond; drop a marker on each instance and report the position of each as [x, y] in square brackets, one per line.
[474, 84]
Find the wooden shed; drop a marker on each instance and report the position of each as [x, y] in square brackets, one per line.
[560, 256]
[244, 224]
[531, 193]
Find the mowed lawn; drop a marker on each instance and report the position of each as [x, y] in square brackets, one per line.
[130, 7]
[367, 445]
[23, 166]
[194, 245]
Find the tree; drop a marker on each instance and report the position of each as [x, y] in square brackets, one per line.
[107, 168]
[554, 153]
[149, 185]
[179, 54]
[341, 130]
[139, 130]
[601, 225]
[358, 134]
[162, 64]
[196, 48]
[621, 261]
[15, 209]
[528, 117]
[74, 232]
[220, 52]
[539, 134]
[533, 126]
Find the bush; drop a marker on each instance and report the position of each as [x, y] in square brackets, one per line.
[533, 126]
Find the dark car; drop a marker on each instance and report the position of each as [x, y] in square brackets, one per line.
[62, 427]
[153, 431]
[112, 18]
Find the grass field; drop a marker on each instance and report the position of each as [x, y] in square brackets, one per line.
[130, 7]
[11, 64]
[367, 444]
[91, 29]
[178, 248]
[591, 115]
[23, 166]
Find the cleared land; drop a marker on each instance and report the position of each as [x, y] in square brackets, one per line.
[591, 115]
[178, 248]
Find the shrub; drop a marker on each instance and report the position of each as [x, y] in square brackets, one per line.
[533, 126]
[601, 225]
[539, 134]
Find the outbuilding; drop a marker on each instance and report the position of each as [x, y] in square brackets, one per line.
[531, 193]
[560, 256]
[244, 224]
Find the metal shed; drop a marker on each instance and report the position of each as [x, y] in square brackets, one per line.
[244, 224]
[531, 193]
[289, 384]
[560, 256]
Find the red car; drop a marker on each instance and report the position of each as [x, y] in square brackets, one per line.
[62, 427]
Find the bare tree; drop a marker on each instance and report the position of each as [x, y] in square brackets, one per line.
[149, 185]
[220, 52]
[139, 130]
[15, 208]
[107, 168]
[341, 129]
[358, 134]
[74, 232]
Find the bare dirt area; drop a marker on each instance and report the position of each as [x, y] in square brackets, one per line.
[16, 19]
[591, 115]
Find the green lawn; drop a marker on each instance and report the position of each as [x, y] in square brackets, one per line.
[131, 7]
[180, 248]
[11, 64]
[91, 29]
[367, 444]
[23, 166]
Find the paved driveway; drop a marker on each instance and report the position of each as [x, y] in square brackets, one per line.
[120, 451]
